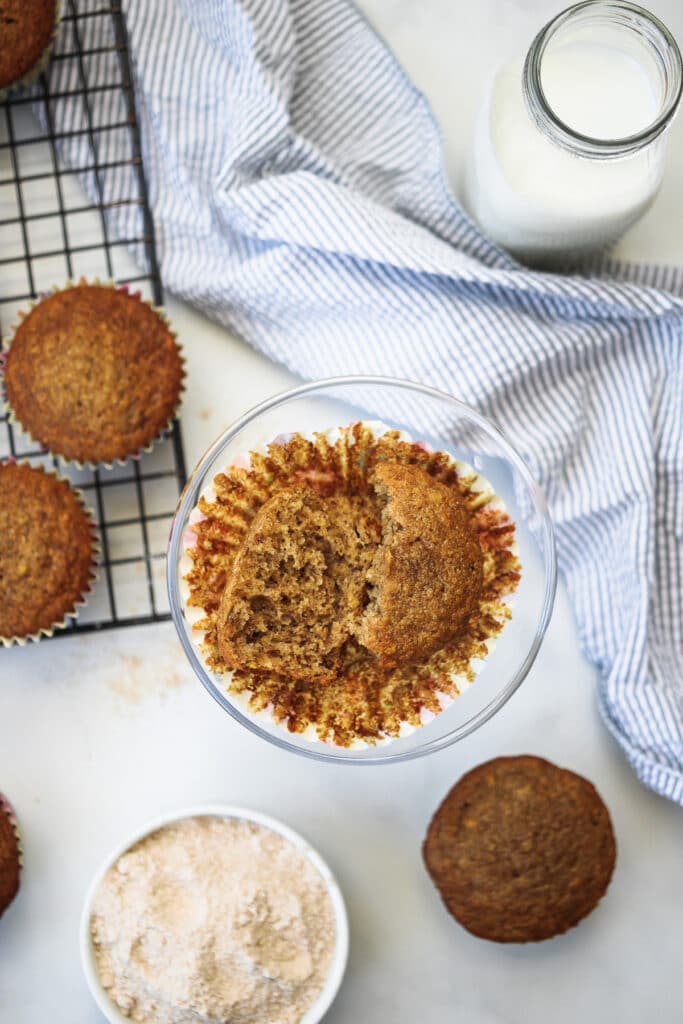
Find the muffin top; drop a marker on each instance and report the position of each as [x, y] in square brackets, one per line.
[426, 576]
[25, 31]
[10, 862]
[46, 550]
[93, 373]
[520, 849]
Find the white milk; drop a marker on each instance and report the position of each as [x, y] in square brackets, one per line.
[547, 203]
[598, 90]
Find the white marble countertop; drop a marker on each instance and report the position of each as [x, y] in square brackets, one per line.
[101, 732]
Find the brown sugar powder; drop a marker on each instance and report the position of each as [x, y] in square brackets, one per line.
[213, 919]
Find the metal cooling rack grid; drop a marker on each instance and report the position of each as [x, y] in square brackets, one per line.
[51, 230]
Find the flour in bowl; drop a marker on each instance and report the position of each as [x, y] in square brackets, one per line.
[212, 919]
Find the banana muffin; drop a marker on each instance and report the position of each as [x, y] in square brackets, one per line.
[26, 31]
[93, 373]
[10, 855]
[347, 586]
[400, 570]
[520, 849]
[47, 552]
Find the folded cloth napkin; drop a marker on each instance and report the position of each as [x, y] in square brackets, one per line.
[297, 185]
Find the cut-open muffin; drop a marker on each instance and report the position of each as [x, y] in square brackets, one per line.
[347, 586]
[398, 569]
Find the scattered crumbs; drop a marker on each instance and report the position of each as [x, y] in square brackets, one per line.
[135, 679]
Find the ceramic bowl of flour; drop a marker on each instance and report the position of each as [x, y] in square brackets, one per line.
[258, 836]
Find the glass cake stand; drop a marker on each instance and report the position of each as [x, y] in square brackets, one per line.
[446, 424]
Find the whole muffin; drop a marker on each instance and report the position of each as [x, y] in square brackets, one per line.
[520, 849]
[10, 855]
[93, 373]
[26, 30]
[47, 552]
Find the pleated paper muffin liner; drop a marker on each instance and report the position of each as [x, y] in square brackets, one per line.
[65, 460]
[96, 551]
[216, 530]
[34, 72]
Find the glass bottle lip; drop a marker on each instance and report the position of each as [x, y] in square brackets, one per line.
[660, 39]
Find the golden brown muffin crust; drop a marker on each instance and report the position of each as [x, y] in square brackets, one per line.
[46, 550]
[25, 31]
[426, 575]
[10, 864]
[520, 849]
[93, 373]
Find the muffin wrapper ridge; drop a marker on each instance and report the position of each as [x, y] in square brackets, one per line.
[72, 615]
[34, 73]
[63, 459]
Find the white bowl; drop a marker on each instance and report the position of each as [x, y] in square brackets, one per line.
[336, 973]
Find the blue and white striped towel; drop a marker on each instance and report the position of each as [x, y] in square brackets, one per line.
[299, 196]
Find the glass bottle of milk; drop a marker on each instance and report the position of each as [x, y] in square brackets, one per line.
[569, 144]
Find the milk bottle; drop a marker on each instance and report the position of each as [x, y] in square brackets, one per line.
[569, 143]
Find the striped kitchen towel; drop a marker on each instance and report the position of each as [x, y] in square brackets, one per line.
[298, 189]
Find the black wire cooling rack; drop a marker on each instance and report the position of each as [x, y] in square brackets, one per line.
[56, 225]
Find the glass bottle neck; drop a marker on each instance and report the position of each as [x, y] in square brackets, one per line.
[621, 27]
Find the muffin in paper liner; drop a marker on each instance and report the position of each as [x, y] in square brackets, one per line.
[32, 72]
[366, 705]
[12, 571]
[27, 400]
[11, 855]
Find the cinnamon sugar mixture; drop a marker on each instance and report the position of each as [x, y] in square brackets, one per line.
[211, 920]
[364, 702]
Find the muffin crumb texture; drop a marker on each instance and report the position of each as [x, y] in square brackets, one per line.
[296, 591]
[212, 920]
